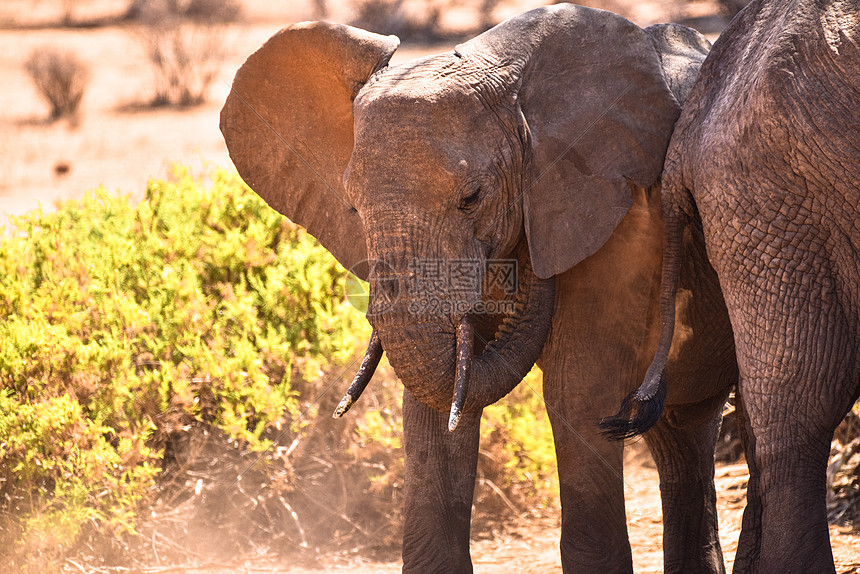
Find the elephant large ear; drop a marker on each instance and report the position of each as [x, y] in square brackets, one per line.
[600, 115]
[682, 51]
[288, 125]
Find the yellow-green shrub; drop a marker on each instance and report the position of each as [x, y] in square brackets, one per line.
[115, 313]
[516, 433]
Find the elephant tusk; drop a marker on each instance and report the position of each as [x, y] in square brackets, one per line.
[362, 377]
[465, 353]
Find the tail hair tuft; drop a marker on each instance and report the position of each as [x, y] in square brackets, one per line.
[637, 414]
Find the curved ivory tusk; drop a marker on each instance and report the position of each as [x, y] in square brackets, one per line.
[362, 377]
[465, 353]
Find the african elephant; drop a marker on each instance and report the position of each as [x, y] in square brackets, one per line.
[766, 158]
[536, 146]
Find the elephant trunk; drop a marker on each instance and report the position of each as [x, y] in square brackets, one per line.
[423, 346]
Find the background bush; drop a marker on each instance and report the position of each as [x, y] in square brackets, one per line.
[414, 21]
[61, 79]
[162, 368]
[186, 43]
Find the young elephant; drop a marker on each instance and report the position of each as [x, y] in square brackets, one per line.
[539, 142]
[766, 158]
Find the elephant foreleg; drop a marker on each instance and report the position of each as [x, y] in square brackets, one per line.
[593, 521]
[440, 483]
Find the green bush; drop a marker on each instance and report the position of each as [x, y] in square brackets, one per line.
[201, 301]
[516, 433]
[170, 357]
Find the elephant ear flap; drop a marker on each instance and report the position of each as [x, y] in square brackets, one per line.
[600, 116]
[682, 51]
[288, 126]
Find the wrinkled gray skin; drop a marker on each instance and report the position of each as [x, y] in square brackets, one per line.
[541, 140]
[766, 157]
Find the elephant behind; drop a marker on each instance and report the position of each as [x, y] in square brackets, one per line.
[766, 159]
[537, 147]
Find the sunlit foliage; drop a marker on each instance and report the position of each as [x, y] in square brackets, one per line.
[200, 300]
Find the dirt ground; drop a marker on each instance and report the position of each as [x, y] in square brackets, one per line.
[119, 142]
[532, 547]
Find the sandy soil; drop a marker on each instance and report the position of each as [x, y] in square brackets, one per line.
[532, 548]
[119, 143]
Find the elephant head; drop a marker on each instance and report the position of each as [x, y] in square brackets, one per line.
[520, 145]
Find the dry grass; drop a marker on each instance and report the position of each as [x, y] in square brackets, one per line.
[843, 473]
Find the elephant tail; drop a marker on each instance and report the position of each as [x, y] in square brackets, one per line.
[642, 408]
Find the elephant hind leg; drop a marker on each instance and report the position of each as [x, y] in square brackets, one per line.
[682, 445]
[749, 542]
[785, 521]
[789, 421]
[799, 364]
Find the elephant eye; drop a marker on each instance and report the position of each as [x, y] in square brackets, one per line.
[470, 200]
